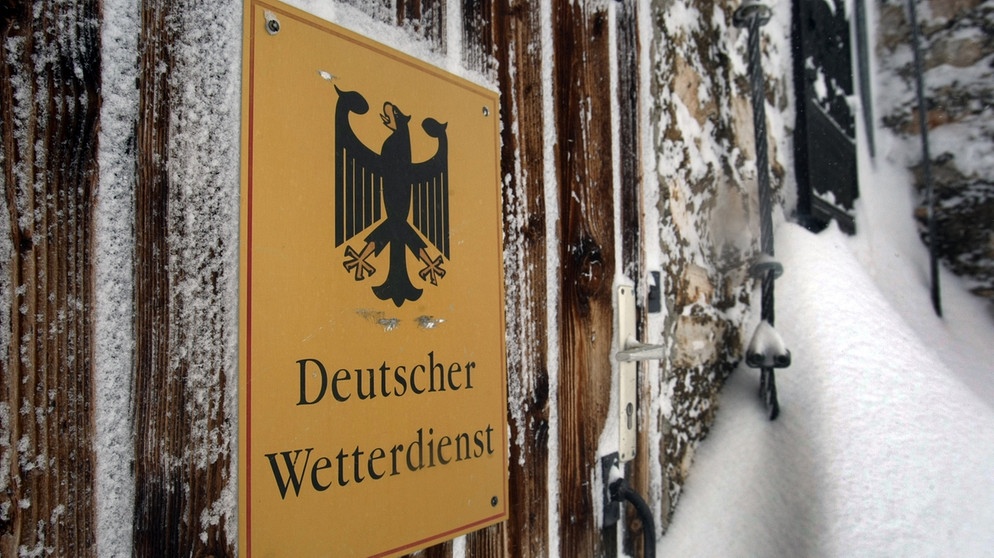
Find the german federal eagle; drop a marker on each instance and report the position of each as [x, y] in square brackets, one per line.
[413, 196]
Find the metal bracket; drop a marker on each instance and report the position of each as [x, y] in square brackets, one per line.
[655, 300]
[627, 375]
[630, 351]
[749, 10]
[612, 509]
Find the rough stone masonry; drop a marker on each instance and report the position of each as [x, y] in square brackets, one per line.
[958, 51]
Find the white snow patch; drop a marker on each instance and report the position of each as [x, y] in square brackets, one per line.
[113, 286]
[883, 445]
[403, 39]
[552, 279]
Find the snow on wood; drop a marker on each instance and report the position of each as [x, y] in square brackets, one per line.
[527, 251]
[550, 179]
[113, 271]
[49, 63]
[186, 287]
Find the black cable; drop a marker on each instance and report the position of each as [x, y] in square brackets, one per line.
[621, 491]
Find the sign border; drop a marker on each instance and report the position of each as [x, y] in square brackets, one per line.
[245, 255]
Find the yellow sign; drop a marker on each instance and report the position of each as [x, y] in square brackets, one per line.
[372, 362]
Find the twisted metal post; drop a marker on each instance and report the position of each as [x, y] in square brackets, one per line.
[752, 15]
[933, 258]
[863, 60]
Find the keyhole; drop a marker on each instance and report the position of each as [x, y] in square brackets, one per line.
[630, 409]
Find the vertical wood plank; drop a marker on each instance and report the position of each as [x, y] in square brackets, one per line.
[630, 164]
[629, 139]
[510, 30]
[203, 238]
[381, 10]
[158, 485]
[440, 550]
[517, 35]
[479, 22]
[425, 17]
[583, 125]
[49, 79]
[183, 255]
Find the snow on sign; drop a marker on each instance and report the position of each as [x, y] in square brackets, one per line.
[372, 384]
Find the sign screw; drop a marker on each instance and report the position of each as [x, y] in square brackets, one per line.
[272, 24]
[493, 501]
[486, 111]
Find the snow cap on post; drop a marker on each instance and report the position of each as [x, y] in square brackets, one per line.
[749, 10]
[767, 349]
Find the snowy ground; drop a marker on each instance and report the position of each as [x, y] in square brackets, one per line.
[885, 442]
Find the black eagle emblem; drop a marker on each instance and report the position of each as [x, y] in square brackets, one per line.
[404, 203]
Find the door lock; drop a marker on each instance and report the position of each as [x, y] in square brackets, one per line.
[630, 351]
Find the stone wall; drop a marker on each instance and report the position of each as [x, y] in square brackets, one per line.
[958, 52]
[708, 216]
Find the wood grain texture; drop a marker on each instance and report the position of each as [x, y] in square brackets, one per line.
[586, 208]
[425, 17]
[516, 37]
[182, 453]
[480, 36]
[517, 34]
[157, 394]
[49, 79]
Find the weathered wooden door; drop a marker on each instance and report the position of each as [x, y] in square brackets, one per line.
[118, 416]
[564, 197]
